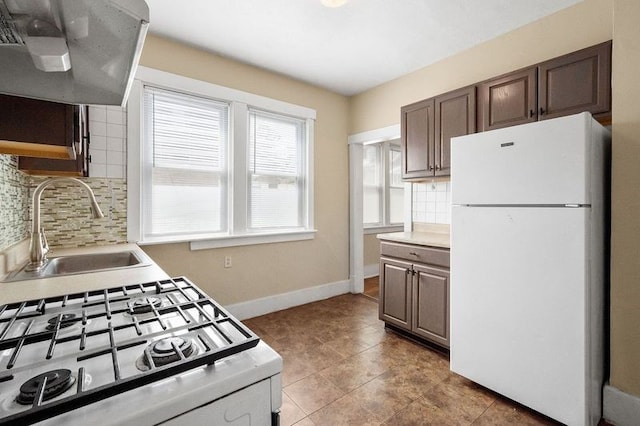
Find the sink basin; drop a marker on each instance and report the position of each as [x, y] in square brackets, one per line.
[90, 262]
[79, 264]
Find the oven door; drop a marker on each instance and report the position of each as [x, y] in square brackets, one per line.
[250, 406]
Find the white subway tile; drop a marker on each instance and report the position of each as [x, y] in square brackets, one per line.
[115, 144]
[98, 156]
[98, 113]
[98, 142]
[115, 116]
[114, 171]
[115, 130]
[97, 128]
[115, 158]
[97, 170]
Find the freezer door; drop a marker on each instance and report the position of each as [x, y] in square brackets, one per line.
[538, 163]
[519, 303]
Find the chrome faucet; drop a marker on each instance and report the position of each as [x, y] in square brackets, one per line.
[38, 247]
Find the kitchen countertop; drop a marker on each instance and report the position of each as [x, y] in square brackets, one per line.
[434, 235]
[17, 291]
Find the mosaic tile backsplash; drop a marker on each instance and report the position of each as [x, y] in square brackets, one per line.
[67, 220]
[14, 202]
[431, 202]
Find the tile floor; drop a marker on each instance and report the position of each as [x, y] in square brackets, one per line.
[341, 367]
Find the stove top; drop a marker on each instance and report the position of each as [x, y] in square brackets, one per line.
[61, 353]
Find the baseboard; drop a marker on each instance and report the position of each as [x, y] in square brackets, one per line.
[372, 270]
[278, 302]
[620, 408]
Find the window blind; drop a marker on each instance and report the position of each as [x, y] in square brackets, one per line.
[372, 184]
[276, 171]
[187, 182]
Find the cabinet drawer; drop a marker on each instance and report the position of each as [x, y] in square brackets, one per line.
[422, 254]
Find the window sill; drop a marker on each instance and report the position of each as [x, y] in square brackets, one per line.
[382, 229]
[212, 242]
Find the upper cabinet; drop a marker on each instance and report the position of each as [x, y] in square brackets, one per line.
[79, 166]
[49, 138]
[427, 128]
[38, 128]
[569, 84]
[417, 139]
[577, 82]
[455, 116]
[508, 100]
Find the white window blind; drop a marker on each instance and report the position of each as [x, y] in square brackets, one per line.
[186, 189]
[276, 171]
[372, 181]
[396, 186]
[383, 189]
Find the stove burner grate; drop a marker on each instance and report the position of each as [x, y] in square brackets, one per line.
[51, 384]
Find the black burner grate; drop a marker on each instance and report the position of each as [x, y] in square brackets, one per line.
[181, 298]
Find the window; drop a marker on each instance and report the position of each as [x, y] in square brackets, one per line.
[276, 167]
[216, 166]
[383, 189]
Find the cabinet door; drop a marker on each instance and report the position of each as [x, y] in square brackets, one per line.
[395, 292]
[508, 100]
[577, 82]
[455, 115]
[77, 167]
[36, 128]
[417, 139]
[431, 304]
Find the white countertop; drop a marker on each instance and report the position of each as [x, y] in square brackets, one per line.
[433, 239]
[18, 291]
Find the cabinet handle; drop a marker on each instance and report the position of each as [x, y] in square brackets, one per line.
[542, 111]
[531, 113]
[437, 167]
[413, 253]
[430, 167]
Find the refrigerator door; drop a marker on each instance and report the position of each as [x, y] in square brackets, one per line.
[519, 317]
[543, 163]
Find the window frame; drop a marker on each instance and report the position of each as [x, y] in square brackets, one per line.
[237, 211]
[385, 225]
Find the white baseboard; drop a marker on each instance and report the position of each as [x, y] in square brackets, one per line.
[620, 408]
[372, 270]
[278, 302]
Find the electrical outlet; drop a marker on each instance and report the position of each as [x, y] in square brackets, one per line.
[227, 261]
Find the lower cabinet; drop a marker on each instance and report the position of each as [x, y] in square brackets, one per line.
[415, 296]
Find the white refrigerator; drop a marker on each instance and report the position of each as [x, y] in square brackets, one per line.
[529, 233]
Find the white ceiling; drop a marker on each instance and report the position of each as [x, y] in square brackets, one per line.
[348, 49]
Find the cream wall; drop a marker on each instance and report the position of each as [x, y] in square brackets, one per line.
[268, 269]
[582, 25]
[625, 220]
[371, 249]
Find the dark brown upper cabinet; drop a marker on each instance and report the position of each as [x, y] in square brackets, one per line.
[508, 100]
[577, 82]
[455, 116]
[417, 136]
[36, 128]
[78, 166]
[427, 128]
[572, 83]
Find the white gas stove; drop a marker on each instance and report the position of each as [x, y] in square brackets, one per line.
[149, 353]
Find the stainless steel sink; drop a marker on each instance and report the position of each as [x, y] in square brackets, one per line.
[79, 264]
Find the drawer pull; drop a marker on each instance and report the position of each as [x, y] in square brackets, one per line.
[413, 253]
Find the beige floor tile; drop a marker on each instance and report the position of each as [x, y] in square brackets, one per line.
[345, 411]
[290, 413]
[313, 392]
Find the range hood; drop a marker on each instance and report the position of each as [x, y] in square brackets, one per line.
[71, 51]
